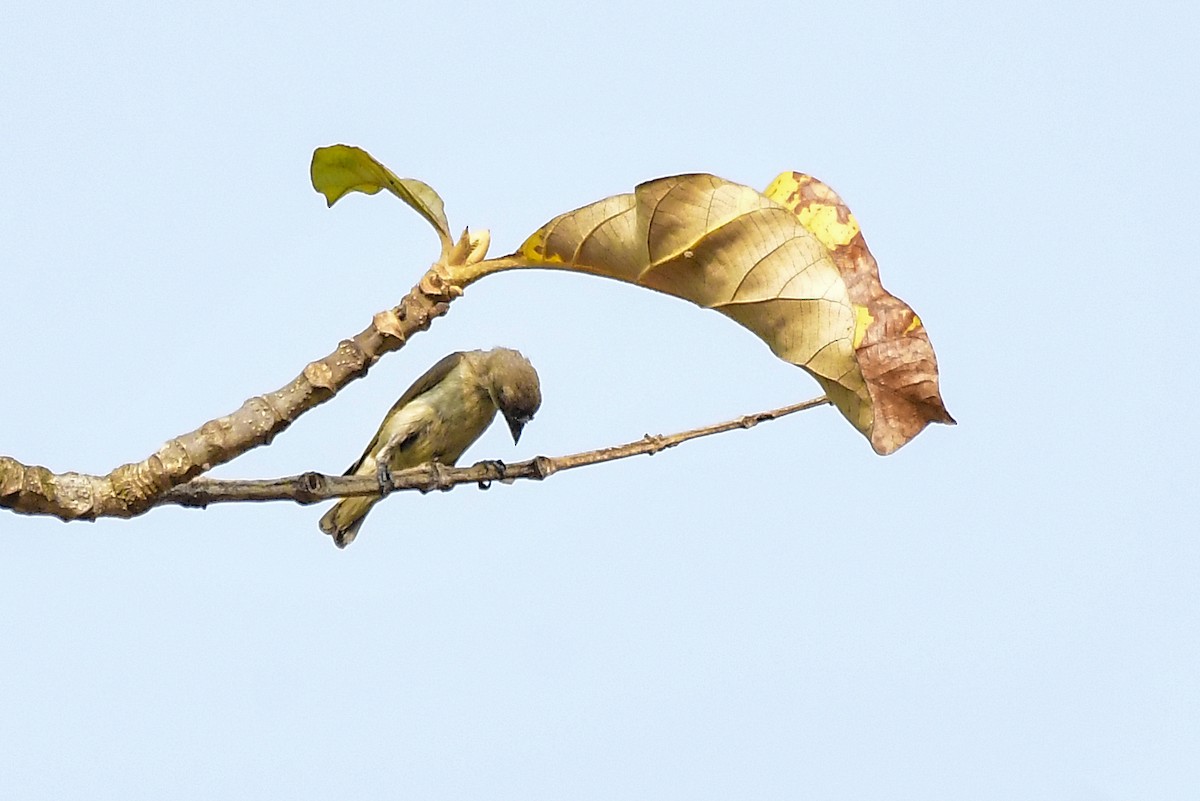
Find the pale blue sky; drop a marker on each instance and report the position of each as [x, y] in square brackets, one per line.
[1008, 609]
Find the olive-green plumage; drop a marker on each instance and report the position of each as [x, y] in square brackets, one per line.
[438, 418]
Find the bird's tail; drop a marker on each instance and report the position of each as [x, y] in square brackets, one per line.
[343, 521]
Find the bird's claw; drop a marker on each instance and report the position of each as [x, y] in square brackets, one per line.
[495, 465]
[383, 474]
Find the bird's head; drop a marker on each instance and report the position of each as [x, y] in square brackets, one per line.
[515, 388]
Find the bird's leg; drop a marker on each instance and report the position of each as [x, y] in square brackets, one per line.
[383, 471]
[383, 474]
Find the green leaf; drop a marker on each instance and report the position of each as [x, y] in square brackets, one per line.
[340, 169]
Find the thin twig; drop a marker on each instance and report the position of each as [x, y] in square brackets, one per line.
[309, 488]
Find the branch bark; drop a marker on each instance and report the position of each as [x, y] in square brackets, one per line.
[132, 489]
[308, 488]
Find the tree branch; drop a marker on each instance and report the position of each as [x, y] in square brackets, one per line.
[309, 488]
[131, 489]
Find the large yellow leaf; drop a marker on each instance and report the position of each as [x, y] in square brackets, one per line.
[339, 169]
[771, 268]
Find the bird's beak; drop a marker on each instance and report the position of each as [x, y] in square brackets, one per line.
[515, 425]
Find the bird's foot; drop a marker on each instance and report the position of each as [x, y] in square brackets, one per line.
[383, 474]
[493, 465]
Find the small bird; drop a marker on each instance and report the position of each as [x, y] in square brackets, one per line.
[438, 418]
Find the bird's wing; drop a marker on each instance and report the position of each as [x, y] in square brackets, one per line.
[429, 380]
[426, 382]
